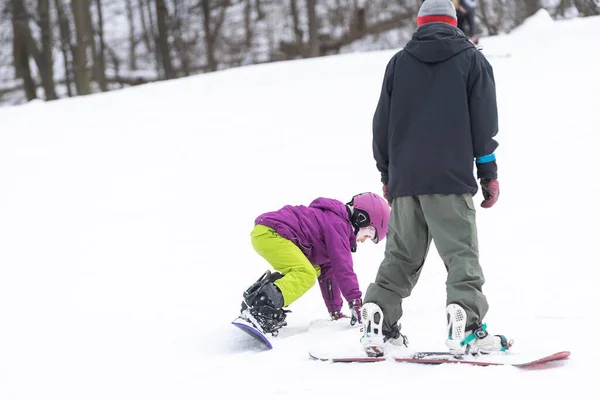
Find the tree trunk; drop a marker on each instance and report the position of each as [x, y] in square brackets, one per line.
[145, 34]
[562, 7]
[492, 27]
[46, 65]
[248, 28]
[117, 63]
[531, 7]
[93, 53]
[209, 40]
[100, 60]
[65, 43]
[151, 19]
[313, 29]
[297, 31]
[43, 58]
[80, 57]
[181, 46]
[358, 22]
[259, 10]
[20, 23]
[587, 8]
[162, 15]
[152, 28]
[132, 39]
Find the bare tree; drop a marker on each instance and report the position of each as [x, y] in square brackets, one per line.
[183, 37]
[531, 7]
[25, 46]
[587, 8]
[562, 7]
[212, 28]
[65, 43]
[180, 43]
[351, 20]
[162, 16]
[99, 54]
[296, 26]
[259, 9]
[525, 9]
[21, 54]
[132, 39]
[147, 33]
[154, 36]
[80, 10]
[314, 43]
[492, 14]
[358, 20]
[91, 35]
[45, 63]
[248, 27]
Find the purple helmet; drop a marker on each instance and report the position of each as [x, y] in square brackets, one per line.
[371, 210]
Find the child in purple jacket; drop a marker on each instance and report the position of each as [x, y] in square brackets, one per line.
[303, 243]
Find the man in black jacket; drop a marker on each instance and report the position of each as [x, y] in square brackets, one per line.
[436, 117]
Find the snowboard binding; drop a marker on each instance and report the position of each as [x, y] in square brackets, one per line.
[376, 340]
[474, 339]
[262, 305]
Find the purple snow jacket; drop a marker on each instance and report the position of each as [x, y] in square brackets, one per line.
[325, 235]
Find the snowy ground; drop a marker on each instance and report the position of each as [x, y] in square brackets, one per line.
[125, 220]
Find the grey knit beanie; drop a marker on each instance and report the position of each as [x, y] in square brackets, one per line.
[437, 11]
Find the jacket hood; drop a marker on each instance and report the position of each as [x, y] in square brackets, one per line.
[335, 206]
[436, 42]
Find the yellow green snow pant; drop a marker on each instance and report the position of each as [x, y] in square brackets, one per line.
[299, 275]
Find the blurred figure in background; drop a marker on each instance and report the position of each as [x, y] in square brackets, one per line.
[465, 11]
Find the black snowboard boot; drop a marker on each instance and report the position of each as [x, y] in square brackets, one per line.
[264, 302]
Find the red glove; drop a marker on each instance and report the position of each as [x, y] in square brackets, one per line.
[491, 191]
[385, 194]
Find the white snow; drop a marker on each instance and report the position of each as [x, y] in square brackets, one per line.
[125, 221]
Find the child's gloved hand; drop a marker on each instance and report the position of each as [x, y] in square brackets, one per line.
[355, 307]
[335, 315]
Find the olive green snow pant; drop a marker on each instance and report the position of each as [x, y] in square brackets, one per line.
[450, 221]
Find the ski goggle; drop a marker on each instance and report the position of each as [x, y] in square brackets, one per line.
[360, 219]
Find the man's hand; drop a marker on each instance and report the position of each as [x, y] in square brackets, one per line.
[491, 191]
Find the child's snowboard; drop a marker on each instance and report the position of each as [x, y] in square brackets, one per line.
[517, 360]
[318, 329]
[251, 330]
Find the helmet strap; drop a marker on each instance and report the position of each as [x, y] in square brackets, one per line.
[352, 218]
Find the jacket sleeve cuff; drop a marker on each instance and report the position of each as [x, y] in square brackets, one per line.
[331, 293]
[488, 170]
[384, 179]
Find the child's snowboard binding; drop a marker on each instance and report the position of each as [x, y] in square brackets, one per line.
[263, 304]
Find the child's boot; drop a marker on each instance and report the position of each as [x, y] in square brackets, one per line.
[262, 305]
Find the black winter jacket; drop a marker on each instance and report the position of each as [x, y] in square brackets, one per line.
[436, 115]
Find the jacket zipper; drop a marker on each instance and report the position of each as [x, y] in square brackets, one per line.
[329, 289]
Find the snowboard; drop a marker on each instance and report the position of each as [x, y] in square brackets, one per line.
[251, 330]
[516, 360]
